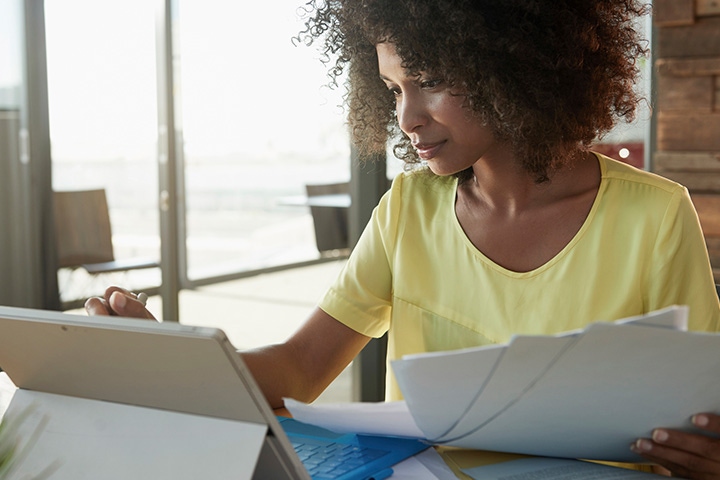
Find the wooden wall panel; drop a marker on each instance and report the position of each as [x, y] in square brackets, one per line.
[707, 162]
[687, 61]
[673, 12]
[699, 39]
[695, 181]
[708, 208]
[698, 171]
[683, 67]
[705, 8]
[686, 93]
[688, 132]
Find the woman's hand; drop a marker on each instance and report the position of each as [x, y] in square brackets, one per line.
[685, 455]
[117, 301]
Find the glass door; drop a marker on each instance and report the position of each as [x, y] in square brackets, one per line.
[204, 123]
[103, 125]
[259, 126]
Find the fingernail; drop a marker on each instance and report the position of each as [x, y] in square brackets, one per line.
[120, 299]
[642, 444]
[660, 435]
[700, 420]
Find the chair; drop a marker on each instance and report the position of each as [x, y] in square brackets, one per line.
[330, 220]
[84, 236]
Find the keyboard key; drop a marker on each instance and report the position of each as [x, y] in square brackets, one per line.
[328, 461]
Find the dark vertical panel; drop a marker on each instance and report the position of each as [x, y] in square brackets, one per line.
[40, 211]
[368, 182]
[170, 167]
[29, 270]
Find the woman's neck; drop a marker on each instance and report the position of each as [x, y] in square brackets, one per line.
[501, 182]
[520, 224]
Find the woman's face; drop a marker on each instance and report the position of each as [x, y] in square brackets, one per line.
[442, 131]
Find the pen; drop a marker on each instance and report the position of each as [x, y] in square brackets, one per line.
[142, 298]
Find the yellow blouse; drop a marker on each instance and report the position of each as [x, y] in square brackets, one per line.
[415, 274]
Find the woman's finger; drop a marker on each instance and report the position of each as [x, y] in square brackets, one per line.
[686, 455]
[97, 306]
[127, 304]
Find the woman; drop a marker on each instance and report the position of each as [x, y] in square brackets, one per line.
[509, 225]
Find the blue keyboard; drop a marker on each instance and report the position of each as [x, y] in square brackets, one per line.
[328, 455]
[328, 460]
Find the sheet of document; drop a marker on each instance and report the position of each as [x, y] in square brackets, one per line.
[526, 359]
[509, 382]
[615, 384]
[587, 394]
[426, 380]
[674, 318]
[584, 394]
[451, 394]
[426, 465]
[376, 418]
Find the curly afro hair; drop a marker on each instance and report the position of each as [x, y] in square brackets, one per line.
[548, 76]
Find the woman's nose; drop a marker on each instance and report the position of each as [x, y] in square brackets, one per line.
[411, 114]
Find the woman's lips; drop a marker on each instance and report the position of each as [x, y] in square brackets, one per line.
[426, 151]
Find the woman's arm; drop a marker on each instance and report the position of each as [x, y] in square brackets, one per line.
[303, 366]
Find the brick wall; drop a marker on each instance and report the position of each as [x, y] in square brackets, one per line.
[687, 64]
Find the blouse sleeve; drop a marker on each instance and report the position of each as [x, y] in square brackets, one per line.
[361, 297]
[681, 272]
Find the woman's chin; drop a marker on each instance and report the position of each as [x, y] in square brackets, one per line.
[442, 170]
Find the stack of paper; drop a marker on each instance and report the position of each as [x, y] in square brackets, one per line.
[584, 394]
[588, 394]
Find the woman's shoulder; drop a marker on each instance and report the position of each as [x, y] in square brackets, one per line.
[417, 192]
[619, 172]
[423, 182]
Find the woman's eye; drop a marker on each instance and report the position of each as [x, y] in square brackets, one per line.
[429, 84]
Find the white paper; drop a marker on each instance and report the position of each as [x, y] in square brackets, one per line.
[426, 465]
[583, 394]
[674, 318]
[508, 382]
[615, 384]
[380, 418]
[426, 379]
